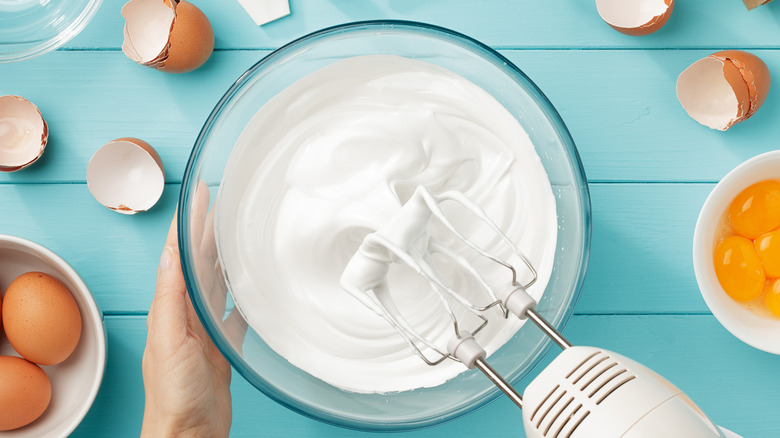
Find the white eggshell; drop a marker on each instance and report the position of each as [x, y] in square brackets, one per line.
[23, 133]
[707, 96]
[148, 25]
[126, 175]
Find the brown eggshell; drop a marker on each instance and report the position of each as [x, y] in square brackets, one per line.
[191, 40]
[168, 35]
[1, 313]
[724, 88]
[752, 4]
[25, 392]
[41, 318]
[647, 28]
[126, 175]
[754, 74]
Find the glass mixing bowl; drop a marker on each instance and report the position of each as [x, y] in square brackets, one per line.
[245, 349]
[30, 28]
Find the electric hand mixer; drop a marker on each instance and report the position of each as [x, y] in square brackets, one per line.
[585, 391]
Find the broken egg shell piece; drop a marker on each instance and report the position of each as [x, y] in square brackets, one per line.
[126, 175]
[752, 4]
[192, 40]
[724, 88]
[635, 17]
[148, 26]
[752, 71]
[171, 36]
[23, 133]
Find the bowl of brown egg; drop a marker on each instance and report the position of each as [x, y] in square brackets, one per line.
[52, 343]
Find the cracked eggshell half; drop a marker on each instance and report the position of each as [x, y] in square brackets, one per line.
[23, 133]
[635, 17]
[724, 88]
[168, 35]
[126, 175]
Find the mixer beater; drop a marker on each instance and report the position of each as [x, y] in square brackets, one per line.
[585, 391]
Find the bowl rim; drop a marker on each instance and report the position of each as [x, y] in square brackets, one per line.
[93, 313]
[74, 28]
[223, 344]
[702, 256]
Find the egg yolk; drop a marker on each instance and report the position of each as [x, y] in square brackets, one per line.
[768, 247]
[756, 210]
[739, 269]
[772, 298]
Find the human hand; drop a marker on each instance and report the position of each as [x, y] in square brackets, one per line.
[186, 378]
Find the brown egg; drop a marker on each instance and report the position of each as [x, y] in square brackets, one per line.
[1, 313]
[42, 320]
[25, 392]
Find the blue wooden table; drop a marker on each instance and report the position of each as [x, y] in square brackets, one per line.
[650, 168]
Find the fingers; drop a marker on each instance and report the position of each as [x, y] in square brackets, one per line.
[168, 313]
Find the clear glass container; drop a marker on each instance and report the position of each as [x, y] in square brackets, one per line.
[247, 352]
[30, 28]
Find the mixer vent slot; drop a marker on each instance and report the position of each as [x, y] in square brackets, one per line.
[581, 364]
[536, 411]
[549, 408]
[560, 414]
[565, 420]
[598, 360]
[557, 415]
[577, 424]
[598, 373]
[615, 387]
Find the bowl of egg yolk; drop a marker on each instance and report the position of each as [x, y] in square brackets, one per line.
[736, 252]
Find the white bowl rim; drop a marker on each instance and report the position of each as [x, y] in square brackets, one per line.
[93, 313]
[754, 330]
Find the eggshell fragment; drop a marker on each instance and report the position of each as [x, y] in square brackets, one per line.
[126, 175]
[265, 11]
[724, 88]
[752, 4]
[23, 133]
[25, 392]
[635, 17]
[41, 318]
[169, 35]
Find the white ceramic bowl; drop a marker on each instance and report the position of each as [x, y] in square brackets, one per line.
[75, 382]
[758, 331]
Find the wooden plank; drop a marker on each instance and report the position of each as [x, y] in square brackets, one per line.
[620, 107]
[640, 262]
[115, 255]
[641, 250]
[548, 24]
[734, 384]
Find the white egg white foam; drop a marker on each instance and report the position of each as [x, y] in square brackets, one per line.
[330, 159]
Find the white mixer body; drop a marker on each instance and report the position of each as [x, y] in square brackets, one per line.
[589, 392]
